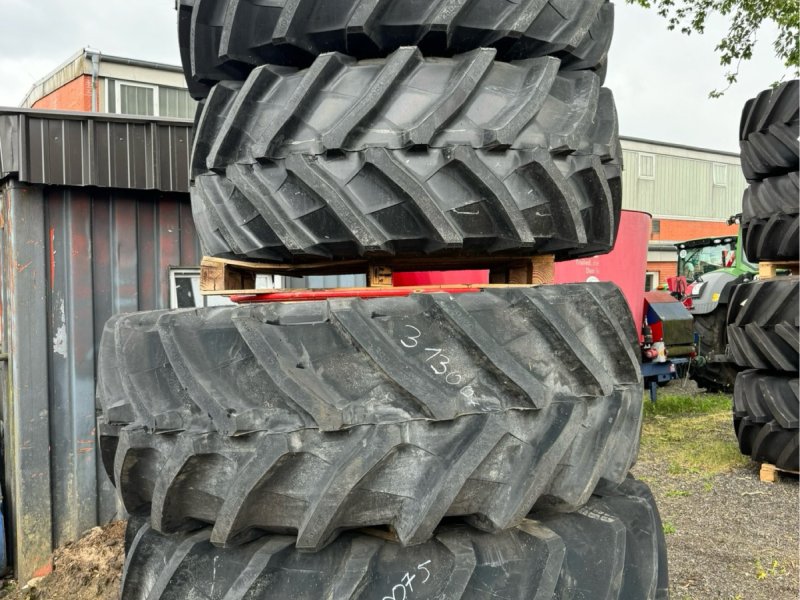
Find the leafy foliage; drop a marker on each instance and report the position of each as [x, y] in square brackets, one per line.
[745, 18]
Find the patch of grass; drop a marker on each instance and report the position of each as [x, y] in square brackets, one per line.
[668, 528]
[693, 435]
[772, 570]
[678, 494]
[677, 404]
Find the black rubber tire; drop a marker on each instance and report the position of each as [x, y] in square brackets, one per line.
[770, 220]
[713, 332]
[226, 39]
[613, 549]
[768, 132]
[406, 99]
[322, 401]
[763, 322]
[456, 172]
[766, 418]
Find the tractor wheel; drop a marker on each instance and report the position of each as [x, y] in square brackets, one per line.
[613, 548]
[763, 328]
[712, 330]
[770, 219]
[768, 132]
[395, 411]
[408, 156]
[226, 39]
[766, 418]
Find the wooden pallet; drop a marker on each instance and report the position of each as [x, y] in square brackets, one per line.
[771, 269]
[225, 277]
[770, 473]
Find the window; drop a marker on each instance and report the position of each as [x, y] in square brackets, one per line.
[651, 281]
[656, 226]
[136, 99]
[719, 174]
[647, 166]
[184, 289]
[175, 103]
[130, 98]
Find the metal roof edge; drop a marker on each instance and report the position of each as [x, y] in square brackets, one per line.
[90, 116]
[625, 138]
[84, 149]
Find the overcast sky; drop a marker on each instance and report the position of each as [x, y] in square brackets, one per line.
[660, 79]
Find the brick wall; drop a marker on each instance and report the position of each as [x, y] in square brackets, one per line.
[680, 231]
[664, 270]
[76, 96]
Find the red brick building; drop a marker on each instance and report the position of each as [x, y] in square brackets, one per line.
[93, 82]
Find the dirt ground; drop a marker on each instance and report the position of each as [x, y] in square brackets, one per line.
[730, 536]
[89, 569]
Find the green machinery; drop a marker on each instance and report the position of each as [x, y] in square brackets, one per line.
[708, 270]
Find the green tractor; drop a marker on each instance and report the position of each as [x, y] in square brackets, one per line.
[708, 270]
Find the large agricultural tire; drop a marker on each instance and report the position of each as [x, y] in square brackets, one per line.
[768, 132]
[408, 156]
[611, 549]
[770, 219]
[226, 39]
[763, 324]
[712, 330]
[397, 411]
[766, 418]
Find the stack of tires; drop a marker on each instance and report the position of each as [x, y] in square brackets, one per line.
[763, 323]
[443, 446]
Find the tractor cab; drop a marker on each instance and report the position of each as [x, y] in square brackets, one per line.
[700, 257]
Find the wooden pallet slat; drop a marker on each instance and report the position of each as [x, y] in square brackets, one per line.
[228, 277]
[770, 473]
[769, 269]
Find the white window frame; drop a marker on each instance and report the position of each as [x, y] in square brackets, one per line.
[640, 172]
[723, 169]
[654, 277]
[118, 95]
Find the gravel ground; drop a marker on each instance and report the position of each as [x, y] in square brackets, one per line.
[729, 535]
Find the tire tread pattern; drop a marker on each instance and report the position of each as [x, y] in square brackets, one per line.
[323, 397]
[771, 219]
[541, 558]
[763, 324]
[227, 39]
[766, 417]
[768, 132]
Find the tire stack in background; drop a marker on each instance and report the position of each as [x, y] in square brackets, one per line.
[431, 446]
[763, 315]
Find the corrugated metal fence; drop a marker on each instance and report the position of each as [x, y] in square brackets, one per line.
[74, 257]
[94, 213]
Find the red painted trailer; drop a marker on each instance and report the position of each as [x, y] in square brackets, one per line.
[625, 265]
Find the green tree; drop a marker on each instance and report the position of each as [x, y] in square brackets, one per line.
[745, 18]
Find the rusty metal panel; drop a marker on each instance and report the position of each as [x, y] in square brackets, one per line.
[75, 257]
[95, 149]
[27, 424]
[9, 146]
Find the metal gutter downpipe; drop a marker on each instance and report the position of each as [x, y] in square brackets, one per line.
[95, 74]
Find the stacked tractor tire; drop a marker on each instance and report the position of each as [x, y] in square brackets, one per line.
[763, 315]
[433, 445]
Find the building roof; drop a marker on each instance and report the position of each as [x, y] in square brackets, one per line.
[680, 147]
[81, 64]
[95, 149]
